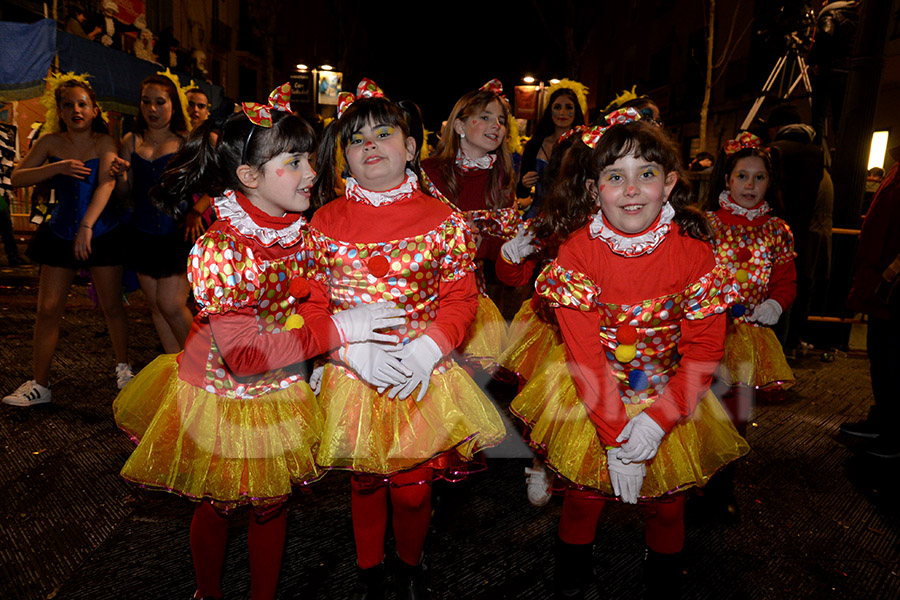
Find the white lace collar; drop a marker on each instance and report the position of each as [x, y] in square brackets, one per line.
[228, 208]
[356, 192]
[637, 245]
[750, 214]
[470, 164]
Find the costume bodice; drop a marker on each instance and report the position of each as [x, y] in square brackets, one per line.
[146, 173]
[73, 196]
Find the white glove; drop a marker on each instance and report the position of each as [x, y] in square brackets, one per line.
[766, 313]
[626, 479]
[644, 436]
[374, 364]
[315, 379]
[420, 357]
[358, 324]
[519, 247]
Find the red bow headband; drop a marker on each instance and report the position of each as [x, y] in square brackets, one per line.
[592, 135]
[575, 131]
[366, 89]
[744, 140]
[261, 114]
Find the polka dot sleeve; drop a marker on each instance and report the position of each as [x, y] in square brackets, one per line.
[458, 246]
[783, 243]
[711, 295]
[223, 274]
[564, 287]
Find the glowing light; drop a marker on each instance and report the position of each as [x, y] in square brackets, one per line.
[302, 67]
[877, 149]
[528, 79]
[327, 68]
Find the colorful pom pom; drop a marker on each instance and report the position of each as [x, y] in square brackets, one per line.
[741, 275]
[299, 288]
[638, 381]
[626, 353]
[294, 322]
[738, 310]
[627, 335]
[379, 266]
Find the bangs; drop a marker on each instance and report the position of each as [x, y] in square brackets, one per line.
[639, 139]
[292, 135]
[380, 111]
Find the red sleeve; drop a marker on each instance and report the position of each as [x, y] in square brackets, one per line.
[247, 351]
[783, 284]
[458, 305]
[512, 274]
[588, 365]
[701, 347]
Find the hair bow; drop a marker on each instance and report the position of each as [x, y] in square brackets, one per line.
[261, 114]
[495, 86]
[574, 131]
[744, 140]
[591, 135]
[622, 116]
[366, 89]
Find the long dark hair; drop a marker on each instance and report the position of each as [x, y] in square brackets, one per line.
[201, 166]
[502, 180]
[545, 126]
[567, 206]
[336, 138]
[723, 168]
[177, 124]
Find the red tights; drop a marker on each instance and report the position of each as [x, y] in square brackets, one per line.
[663, 521]
[209, 534]
[410, 496]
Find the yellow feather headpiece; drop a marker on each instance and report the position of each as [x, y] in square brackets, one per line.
[623, 97]
[581, 92]
[182, 97]
[48, 100]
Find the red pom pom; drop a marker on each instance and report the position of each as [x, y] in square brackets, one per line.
[299, 288]
[379, 266]
[744, 255]
[626, 335]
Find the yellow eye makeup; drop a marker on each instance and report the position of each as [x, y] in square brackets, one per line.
[356, 138]
[384, 130]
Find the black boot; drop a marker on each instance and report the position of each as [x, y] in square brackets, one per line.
[662, 574]
[412, 581]
[573, 571]
[370, 583]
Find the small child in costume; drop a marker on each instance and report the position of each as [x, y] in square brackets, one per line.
[83, 232]
[230, 421]
[534, 332]
[758, 249]
[622, 409]
[386, 238]
[472, 168]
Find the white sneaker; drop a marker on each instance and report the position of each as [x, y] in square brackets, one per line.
[538, 486]
[124, 374]
[28, 394]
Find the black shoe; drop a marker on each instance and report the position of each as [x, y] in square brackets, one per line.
[370, 583]
[863, 429]
[412, 581]
[573, 570]
[883, 447]
[662, 574]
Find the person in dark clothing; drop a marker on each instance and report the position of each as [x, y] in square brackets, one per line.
[801, 164]
[876, 292]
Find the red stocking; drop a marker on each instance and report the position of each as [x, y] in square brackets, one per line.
[580, 514]
[209, 534]
[369, 508]
[411, 499]
[664, 525]
[266, 544]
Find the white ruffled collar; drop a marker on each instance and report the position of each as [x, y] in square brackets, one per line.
[636, 245]
[750, 214]
[356, 192]
[228, 208]
[470, 164]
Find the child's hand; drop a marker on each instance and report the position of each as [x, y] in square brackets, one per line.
[118, 167]
[315, 379]
[626, 479]
[643, 437]
[766, 313]
[73, 168]
[516, 249]
[82, 245]
[374, 364]
[193, 226]
[358, 324]
[529, 179]
[420, 356]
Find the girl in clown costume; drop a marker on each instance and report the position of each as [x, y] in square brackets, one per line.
[230, 421]
[622, 409]
[401, 416]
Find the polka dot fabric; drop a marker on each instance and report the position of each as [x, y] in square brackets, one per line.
[750, 252]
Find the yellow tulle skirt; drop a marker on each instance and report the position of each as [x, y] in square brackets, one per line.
[368, 432]
[753, 357]
[230, 451]
[485, 338]
[560, 429]
[530, 342]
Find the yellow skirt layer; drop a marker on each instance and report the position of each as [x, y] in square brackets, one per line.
[368, 432]
[486, 336]
[754, 357]
[231, 451]
[559, 427]
[530, 342]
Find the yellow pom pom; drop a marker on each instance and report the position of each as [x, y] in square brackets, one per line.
[294, 322]
[741, 275]
[625, 353]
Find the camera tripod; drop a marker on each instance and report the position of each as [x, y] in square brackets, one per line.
[797, 65]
